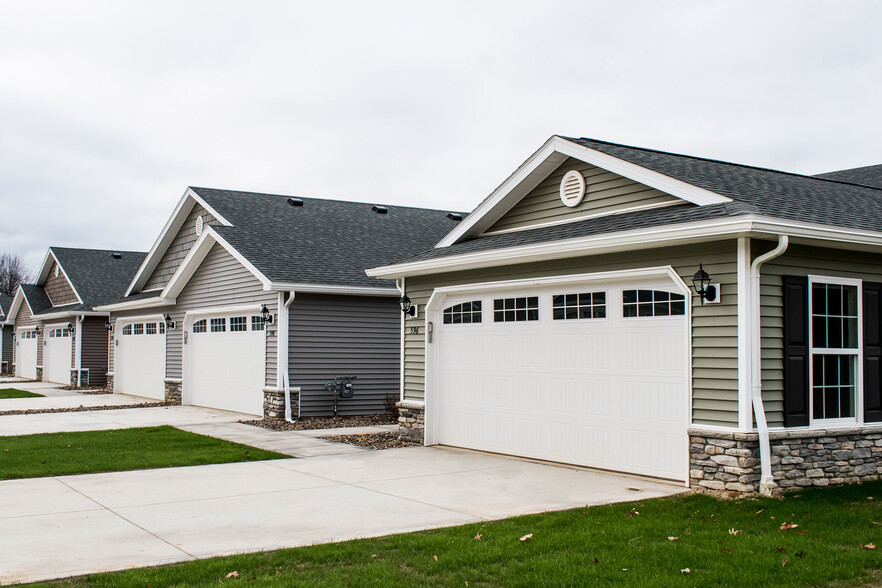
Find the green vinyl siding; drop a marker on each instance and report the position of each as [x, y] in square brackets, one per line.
[605, 193]
[714, 326]
[797, 261]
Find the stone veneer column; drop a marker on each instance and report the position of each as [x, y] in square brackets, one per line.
[109, 384]
[274, 402]
[39, 376]
[411, 421]
[729, 462]
[173, 392]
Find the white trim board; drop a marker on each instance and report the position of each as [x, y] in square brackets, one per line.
[545, 160]
[332, 289]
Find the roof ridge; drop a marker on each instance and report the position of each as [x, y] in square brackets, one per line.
[711, 160]
[61, 248]
[313, 198]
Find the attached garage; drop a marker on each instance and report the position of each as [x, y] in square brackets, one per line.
[225, 361]
[591, 372]
[139, 356]
[57, 354]
[26, 354]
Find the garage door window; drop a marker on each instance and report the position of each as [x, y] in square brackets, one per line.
[509, 310]
[199, 326]
[218, 325]
[646, 303]
[585, 305]
[127, 330]
[162, 328]
[138, 328]
[238, 323]
[151, 328]
[465, 313]
[256, 323]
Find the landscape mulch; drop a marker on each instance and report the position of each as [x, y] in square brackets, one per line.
[371, 440]
[81, 408]
[312, 423]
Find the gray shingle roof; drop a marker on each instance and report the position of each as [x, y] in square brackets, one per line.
[36, 298]
[753, 190]
[870, 175]
[327, 242]
[5, 303]
[97, 276]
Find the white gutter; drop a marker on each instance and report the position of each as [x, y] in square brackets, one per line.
[79, 362]
[136, 304]
[283, 381]
[767, 483]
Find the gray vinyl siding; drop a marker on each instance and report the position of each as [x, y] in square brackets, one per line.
[7, 345]
[605, 192]
[178, 249]
[714, 326]
[220, 281]
[59, 289]
[95, 350]
[797, 261]
[334, 336]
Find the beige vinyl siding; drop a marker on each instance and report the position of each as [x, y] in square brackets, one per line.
[24, 319]
[714, 326]
[58, 289]
[221, 281]
[605, 192]
[179, 248]
[797, 261]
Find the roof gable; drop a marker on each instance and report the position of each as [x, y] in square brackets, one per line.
[57, 284]
[546, 160]
[97, 276]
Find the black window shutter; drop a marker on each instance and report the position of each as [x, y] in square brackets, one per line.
[796, 351]
[872, 352]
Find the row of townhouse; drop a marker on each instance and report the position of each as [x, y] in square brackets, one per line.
[606, 306]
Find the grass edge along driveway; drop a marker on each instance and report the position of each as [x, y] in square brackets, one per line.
[818, 537]
[16, 393]
[88, 452]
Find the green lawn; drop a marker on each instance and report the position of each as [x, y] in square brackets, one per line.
[13, 393]
[648, 543]
[60, 454]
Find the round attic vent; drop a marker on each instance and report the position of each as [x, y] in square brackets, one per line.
[199, 225]
[572, 188]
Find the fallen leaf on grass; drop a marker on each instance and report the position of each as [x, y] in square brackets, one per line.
[436, 557]
[759, 511]
[685, 571]
[869, 498]
[868, 546]
[232, 575]
[596, 561]
[785, 526]
[478, 537]
[783, 562]
[632, 513]
[725, 550]
[525, 537]
[734, 531]
[781, 549]
[672, 538]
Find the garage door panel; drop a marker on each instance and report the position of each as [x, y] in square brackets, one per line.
[609, 393]
[57, 353]
[139, 358]
[26, 355]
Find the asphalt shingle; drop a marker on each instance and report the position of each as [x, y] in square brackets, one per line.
[870, 175]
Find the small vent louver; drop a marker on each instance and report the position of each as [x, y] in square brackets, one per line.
[200, 224]
[295, 201]
[379, 209]
[117, 255]
[454, 216]
[572, 188]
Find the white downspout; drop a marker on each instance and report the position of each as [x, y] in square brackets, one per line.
[400, 284]
[767, 482]
[79, 362]
[283, 325]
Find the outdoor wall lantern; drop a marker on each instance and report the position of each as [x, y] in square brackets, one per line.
[701, 282]
[406, 307]
[70, 326]
[169, 323]
[265, 315]
[108, 325]
[38, 330]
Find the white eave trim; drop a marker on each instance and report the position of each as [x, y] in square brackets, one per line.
[667, 235]
[68, 314]
[546, 159]
[167, 235]
[330, 289]
[135, 304]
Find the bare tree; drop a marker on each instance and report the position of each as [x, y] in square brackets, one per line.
[13, 271]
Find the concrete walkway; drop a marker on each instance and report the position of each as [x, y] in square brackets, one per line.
[57, 527]
[70, 399]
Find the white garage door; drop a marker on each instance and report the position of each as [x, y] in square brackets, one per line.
[57, 354]
[26, 354]
[139, 358]
[593, 374]
[224, 363]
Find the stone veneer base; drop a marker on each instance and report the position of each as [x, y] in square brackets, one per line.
[274, 402]
[173, 392]
[721, 461]
[39, 376]
[411, 421]
[109, 384]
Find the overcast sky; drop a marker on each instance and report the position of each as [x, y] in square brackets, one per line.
[108, 111]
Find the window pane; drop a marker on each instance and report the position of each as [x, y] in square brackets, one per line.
[497, 304]
[662, 308]
[629, 310]
[819, 299]
[557, 300]
[850, 302]
[644, 295]
[644, 309]
[678, 308]
[834, 332]
[819, 331]
[558, 314]
[572, 299]
[629, 296]
[834, 299]
[599, 312]
[661, 296]
[573, 312]
[600, 298]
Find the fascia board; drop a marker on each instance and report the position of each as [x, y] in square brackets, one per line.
[135, 304]
[16, 304]
[68, 314]
[548, 158]
[331, 289]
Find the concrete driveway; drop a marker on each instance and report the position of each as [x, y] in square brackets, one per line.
[56, 527]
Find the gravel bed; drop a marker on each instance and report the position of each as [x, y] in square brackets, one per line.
[88, 391]
[311, 423]
[371, 440]
[81, 408]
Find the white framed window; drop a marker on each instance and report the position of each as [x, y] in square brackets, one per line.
[464, 313]
[199, 326]
[161, 328]
[584, 305]
[138, 329]
[646, 303]
[835, 348]
[521, 309]
[257, 323]
[127, 330]
[238, 323]
[218, 325]
[150, 328]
